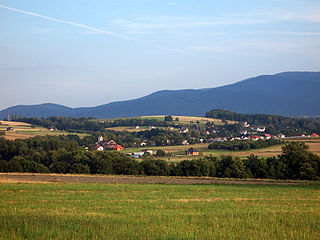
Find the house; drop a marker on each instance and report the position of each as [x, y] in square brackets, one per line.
[243, 132]
[267, 136]
[100, 139]
[117, 148]
[147, 151]
[192, 152]
[111, 144]
[184, 142]
[52, 128]
[144, 143]
[254, 137]
[137, 155]
[281, 136]
[260, 129]
[245, 124]
[209, 140]
[184, 130]
[99, 148]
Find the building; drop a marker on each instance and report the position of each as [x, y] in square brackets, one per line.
[117, 148]
[255, 138]
[245, 124]
[147, 151]
[267, 136]
[100, 148]
[192, 152]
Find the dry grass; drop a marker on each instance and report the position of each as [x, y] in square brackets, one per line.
[14, 123]
[119, 179]
[189, 119]
[25, 131]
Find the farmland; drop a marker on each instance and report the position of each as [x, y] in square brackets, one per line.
[177, 153]
[153, 211]
[23, 130]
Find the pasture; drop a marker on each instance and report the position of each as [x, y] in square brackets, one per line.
[159, 211]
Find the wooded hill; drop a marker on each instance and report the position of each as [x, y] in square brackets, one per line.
[289, 94]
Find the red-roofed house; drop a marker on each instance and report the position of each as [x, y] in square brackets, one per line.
[254, 137]
[117, 148]
[267, 136]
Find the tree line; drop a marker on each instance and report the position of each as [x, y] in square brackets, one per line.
[274, 124]
[62, 154]
[238, 145]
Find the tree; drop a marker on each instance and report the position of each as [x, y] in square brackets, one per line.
[301, 164]
[160, 153]
[168, 118]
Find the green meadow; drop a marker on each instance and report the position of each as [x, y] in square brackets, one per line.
[147, 211]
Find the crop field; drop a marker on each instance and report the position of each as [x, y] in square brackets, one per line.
[25, 130]
[42, 210]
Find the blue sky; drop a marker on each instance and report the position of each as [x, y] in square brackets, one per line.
[87, 53]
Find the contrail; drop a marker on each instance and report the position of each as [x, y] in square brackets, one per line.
[66, 22]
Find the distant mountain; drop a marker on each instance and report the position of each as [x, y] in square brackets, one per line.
[288, 93]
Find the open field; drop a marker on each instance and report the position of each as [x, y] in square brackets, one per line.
[182, 119]
[119, 179]
[191, 119]
[25, 130]
[159, 211]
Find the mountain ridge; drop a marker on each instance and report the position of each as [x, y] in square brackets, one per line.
[286, 93]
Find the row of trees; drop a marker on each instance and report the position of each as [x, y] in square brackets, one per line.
[90, 124]
[238, 145]
[63, 155]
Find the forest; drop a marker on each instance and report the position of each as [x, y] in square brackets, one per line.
[63, 154]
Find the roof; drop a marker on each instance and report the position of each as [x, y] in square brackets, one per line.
[117, 146]
[192, 150]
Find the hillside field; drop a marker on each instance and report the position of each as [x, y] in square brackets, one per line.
[159, 211]
[25, 130]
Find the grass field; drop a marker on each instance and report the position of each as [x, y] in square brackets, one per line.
[158, 211]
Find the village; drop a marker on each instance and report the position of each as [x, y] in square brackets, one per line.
[247, 133]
